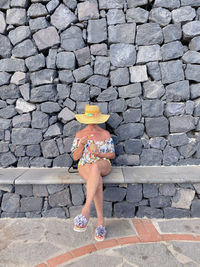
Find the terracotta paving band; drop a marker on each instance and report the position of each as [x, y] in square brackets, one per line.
[145, 232]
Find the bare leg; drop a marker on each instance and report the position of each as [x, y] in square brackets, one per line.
[93, 173]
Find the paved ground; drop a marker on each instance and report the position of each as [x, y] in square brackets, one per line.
[130, 242]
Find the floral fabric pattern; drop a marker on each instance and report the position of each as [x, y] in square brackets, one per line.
[101, 146]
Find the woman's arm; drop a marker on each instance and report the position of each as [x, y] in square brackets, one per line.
[108, 155]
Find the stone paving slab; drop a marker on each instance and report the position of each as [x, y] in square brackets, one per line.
[48, 242]
[8, 176]
[134, 175]
[161, 174]
[177, 226]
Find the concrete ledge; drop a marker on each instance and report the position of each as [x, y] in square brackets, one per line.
[139, 174]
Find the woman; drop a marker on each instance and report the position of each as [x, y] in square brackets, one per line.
[93, 147]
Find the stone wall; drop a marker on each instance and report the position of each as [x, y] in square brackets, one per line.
[65, 201]
[138, 60]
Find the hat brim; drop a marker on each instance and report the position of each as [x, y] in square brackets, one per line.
[82, 118]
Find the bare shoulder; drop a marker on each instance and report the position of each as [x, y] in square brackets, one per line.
[106, 134]
[80, 133]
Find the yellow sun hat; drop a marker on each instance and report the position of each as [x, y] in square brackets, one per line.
[92, 115]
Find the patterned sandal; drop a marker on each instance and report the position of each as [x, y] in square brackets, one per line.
[80, 223]
[100, 233]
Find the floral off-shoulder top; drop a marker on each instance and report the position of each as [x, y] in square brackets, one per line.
[101, 146]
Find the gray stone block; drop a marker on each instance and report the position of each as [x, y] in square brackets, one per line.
[62, 17]
[114, 120]
[36, 62]
[77, 194]
[183, 198]
[124, 209]
[54, 188]
[82, 73]
[119, 77]
[8, 112]
[144, 211]
[160, 202]
[183, 14]
[122, 55]
[102, 65]
[172, 32]
[178, 91]
[158, 142]
[72, 39]
[49, 149]
[122, 33]
[127, 160]
[10, 202]
[192, 72]
[114, 194]
[178, 139]
[175, 213]
[115, 16]
[39, 120]
[195, 208]
[138, 74]
[12, 64]
[131, 90]
[156, 127]
[148, 53]
[97, 30]
[53, 130]
[107, 95]
[134, 193]
[63, 160]
[65, 60]
[43, 93]
[83, 56]
[46, 38]
[132, 115]
[4, 124]
[167, 189]
[149, 34]
[192, 57]
[40, 191]
[138, 15]
[31, 204]
[172, 71]
[26, 136]
[40, 162]
[180, 124]
[98, 80]
[2, 22]
[118, 105]
[129, 131]
[195, 44]
[60, 199]
[103, 4]
[65, 76]
[9, 91]
[170, 4]
[71, 128]
[172, 109]
[160, 15]
[172, 50]
[191, 29]
[24, 49]
[38, 24]
[153, 70]
[54, 212]
[5, 46]
[80, 92]
[150, 190]
[99, 49]
[12, 214]
[134, 102]
[151, 157]
[37, 10]
[4, 78]
[87, 10]
[24, 190]
[16, 16]
[189, 149]
[152, 108]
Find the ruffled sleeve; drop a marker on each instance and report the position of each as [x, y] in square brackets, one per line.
[111, 147]
[75, 144]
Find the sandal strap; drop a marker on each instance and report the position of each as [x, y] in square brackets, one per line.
[80, 220]
[100, 231]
